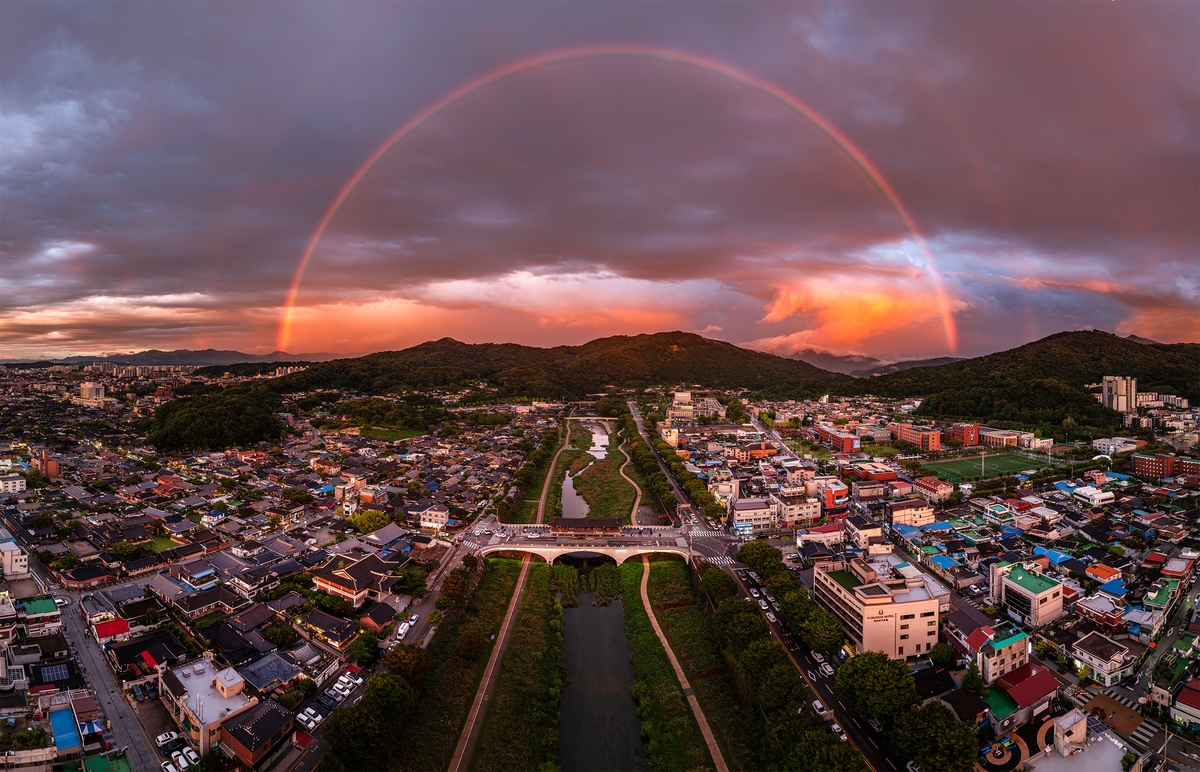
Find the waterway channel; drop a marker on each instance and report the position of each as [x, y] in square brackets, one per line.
[574, 505]
[599, 730]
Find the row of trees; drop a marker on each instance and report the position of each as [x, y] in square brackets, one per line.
[692, 485]
[793, 738]
[509, 507]
[647, 463]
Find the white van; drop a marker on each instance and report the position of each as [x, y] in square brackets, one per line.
[403, 631]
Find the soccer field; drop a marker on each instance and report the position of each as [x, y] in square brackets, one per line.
[975, 467]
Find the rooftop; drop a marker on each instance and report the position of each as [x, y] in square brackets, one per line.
[1031, 582]
[204, 699]
[844, 578]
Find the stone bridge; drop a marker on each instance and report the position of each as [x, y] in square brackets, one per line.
[552, 551]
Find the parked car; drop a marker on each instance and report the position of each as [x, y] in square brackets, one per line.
[179, 760]
[770, 617]
[819, 708]
[177, 744]
[403, 631]
[306, 722]
[192, 757]
[333, 695]
[152, 691]
[138, 694]
[169, 767]
[837, 730]
[327, 703]
[165, 738]
[355, 677]
[342, 689]
[313, 714]
[826, 669]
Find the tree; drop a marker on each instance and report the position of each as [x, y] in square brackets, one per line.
[762, 557]
[758, 660]
[942, 655]
[327, 764]
[876, 686]
[822, 631]
[368, 520]
[777, 688]
[365, 650]
[471, 643]
[390, 696]
[408, 662]
[740, 623]
[717, 584]
[470, 562]
[935, 739]
[454, 586]
[435, 617]
[358, 737]
[973, 680]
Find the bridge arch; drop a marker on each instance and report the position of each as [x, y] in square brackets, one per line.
[552, 553]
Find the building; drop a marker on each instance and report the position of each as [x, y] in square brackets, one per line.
[998, 650]
[1186, 708]
[898, 617]
[14, 560]
[251, 735]
[838, 440]
[12, 483]
[1093, 497]
[999, 438]
[1031, 598]
[356, 581]
[914, 512]
[1119, 393]
[793, 508]
[967, 434]
[933, 489]
[867, 535]
[91, 391]
[1158, 466]
[199, 697]
[753, 514]
[1109, 660]
[926, 439]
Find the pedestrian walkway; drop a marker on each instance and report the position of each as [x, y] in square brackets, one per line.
[720, 560]
[1122, 698]
[713, 749]
[1146, 732]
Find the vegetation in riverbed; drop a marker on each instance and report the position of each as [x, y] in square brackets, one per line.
[520, 729]
[606, 492]
[669, 731]
[565, 579]
[449, 686]
[605, 581]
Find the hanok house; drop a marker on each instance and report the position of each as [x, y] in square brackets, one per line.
[83, 577]
[589, 525]
[377, 617]
[357, 581]
[327, 629]
[252, 735]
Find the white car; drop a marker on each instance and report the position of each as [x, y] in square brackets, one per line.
[838, 731]
[192, 757]
[826, 669]
[818, 657]
[762, 604]
[169, 767]
[61, 602]
[819, 708]
[165, 738]
[355, 677]
[754, 592]
[403, 631]
[342, 689]
[306, 722]
[770, 617]
[180, 761]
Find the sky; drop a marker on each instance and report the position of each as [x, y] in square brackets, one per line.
[898, 180]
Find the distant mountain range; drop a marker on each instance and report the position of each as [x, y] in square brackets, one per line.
[181, 356]
[861, 365]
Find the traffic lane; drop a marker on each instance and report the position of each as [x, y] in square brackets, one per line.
[830, 699]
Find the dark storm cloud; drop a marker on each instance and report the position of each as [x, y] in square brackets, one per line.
[162, 167]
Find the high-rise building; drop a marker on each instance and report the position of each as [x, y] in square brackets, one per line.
[92, 391]
[895, 616]
[1119, 393]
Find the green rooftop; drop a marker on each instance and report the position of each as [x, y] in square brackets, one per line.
[1031, 582]
[1001, 704]
[40, 606]
[844, 578]
[105, 764]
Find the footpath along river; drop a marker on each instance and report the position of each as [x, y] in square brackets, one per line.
[599, 730]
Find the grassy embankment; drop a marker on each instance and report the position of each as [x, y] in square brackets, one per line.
[528, 511]
[669, 731]
[574, 458]
[681, 615]
[648, 497]
[450, 686]
[606, 492]
[520, 728]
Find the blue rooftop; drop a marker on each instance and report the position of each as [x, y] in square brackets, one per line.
[1116, 588]
[1054, 556]
[938, 525]
[943, 561]
[907, 531]
[65, 730]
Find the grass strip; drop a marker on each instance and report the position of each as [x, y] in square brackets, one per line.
[669, 731]
[695, 644]
[606, 492]
[449, 688]
[520, 728]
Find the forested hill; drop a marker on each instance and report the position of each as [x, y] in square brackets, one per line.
[565, 371]
[1043, 382]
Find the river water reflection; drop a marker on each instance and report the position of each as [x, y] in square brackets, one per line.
[599, 730]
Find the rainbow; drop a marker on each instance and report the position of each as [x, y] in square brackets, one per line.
[646, 55]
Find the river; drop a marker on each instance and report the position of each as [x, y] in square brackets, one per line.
[574, 505]
[599, 730]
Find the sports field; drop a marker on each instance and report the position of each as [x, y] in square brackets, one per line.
[975, 466]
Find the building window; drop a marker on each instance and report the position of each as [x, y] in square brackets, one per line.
[903, 627]
[927, 614]
[907, 616]
[930, 624]
[904, 637]
[901, 650]
[931, 632]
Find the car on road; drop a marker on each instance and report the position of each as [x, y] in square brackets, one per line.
[826, 670]
[818, 657]
[60, 602]
[165, 738]
[874, 724]
[333, 695]
[754, 592]
[819, 708]
[762, 604]
[770, 598]
[837, 730]
[770, 617]
[412, 620]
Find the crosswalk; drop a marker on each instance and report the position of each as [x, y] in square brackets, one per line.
[720, 560]
[1147, 729]
[706, 533]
